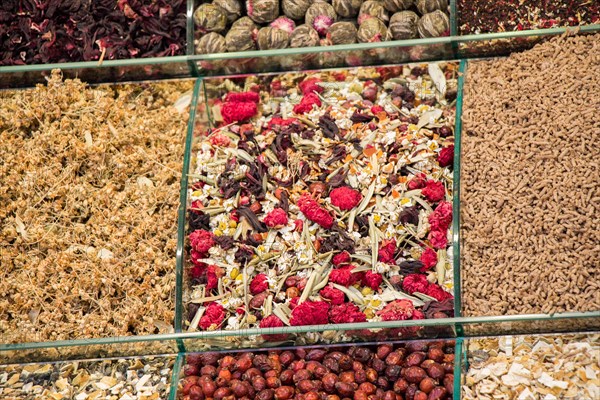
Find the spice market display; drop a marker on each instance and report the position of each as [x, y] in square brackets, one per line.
[412, 227]
[325, 198]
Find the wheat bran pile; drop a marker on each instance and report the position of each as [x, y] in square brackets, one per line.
[531, 181]
[89, 191]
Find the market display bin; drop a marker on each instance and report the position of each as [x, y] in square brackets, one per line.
[151, 376]
[366, 362]
[193, 308]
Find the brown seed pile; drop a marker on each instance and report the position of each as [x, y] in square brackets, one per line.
[89, 190]
[531, 181]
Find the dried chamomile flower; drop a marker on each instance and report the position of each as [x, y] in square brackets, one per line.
[295, 9]
[347, 8]
[272, 38]
[372, 30]
[211, 43]
[233, 8]
[397, 5]
[262, 11]
[433, 24]
[342, 33]
[427, 6]
[304, 36]
[374, 9]
[242, 35]
[403, 25]
[320, 16]
[210, 18]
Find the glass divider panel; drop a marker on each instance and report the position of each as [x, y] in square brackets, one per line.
[456, 188]
[175, 377]
[456, 395]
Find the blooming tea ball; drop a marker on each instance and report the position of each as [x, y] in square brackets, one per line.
[397, 5]
[304, 36]
[372, 30]
[374, 9]
[295, 9]
[211, 43]
[403, 25]
[433, 24]
[242, 35]
[232, 8]
[427, 6]
[210, 18]
[347, 8]
[321, 13]
[262, 11]
[342, 33]
[272, 38]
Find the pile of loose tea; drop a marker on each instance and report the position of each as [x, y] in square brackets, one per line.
[89, 187]
[325, 198]
[485, 16]
[125, 379]
[533, 367]
[415, 370]
[232, 25]
[531, 181]
[49, 31]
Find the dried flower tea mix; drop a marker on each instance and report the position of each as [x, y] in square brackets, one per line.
[415, 370]
[531, 182]
[89, 191]
[324, 198]
[221, 16]
[143, 378]
[51, 31]
[486, 16]
[533, 367]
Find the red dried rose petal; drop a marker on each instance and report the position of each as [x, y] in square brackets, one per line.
[335, 296]
[306, 104]
[429, 259]
[310, 313]
[438, 239]
[446, 156]
[397, 310]
[418, 182]
[372, 280]
[434, 191]
[242, 97]
[441, 218]
[314, 212]
[415, 283]
[341, 258]
[387, 249]
[213, 315]
[272, 322]
[201, 241]
[238, 111]
[309, 85]
[277, 217]
[259, 284]
[345, 198]
[346, 313]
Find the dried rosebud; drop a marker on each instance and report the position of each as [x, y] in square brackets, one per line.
[397, 5]
[211, 43]
[284, 24]
[321, 23]
[319, 9]
[427, 6]
[210, 18]
[403, 25]
[347, 8]
[262, 11]
[304, 36]
[433, 24]
[242, 35]
[233, 8]
[372, 30]
[272, 38]
[342, 33]
[372, 8]
[295, 9]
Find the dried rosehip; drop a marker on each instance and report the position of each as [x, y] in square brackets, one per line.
[284, 393]
[436, 371]
[415, 358]
[414, 374]
[329, 381]
[438, 393]
[196, 393]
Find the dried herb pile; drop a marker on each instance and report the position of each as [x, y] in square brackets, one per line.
[324, 198]
[147, 378]
[533, 367]
[486, 16]
[89, 185]
[531, 181]
[53, 31]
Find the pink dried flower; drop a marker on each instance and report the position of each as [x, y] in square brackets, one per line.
[321, 23]
[284, 23]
